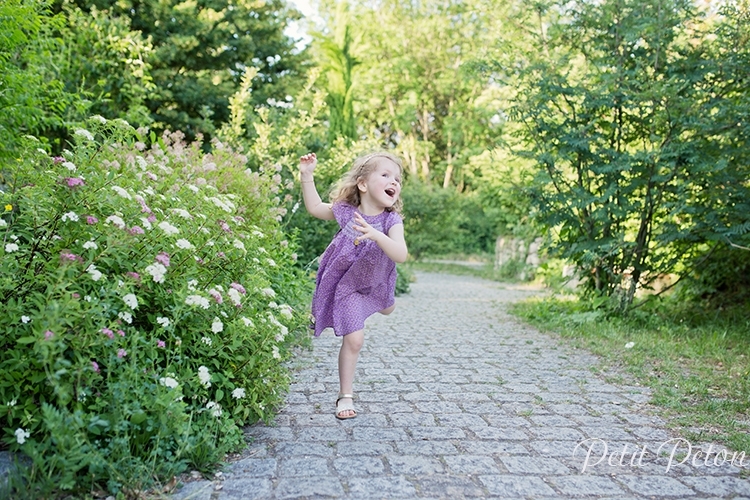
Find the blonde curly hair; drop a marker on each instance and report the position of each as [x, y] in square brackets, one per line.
[347, 191]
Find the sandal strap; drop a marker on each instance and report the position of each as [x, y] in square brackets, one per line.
[342, 396]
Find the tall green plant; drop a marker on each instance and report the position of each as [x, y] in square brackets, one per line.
[609, 122]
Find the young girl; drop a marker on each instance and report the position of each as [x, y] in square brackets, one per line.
[357, 273]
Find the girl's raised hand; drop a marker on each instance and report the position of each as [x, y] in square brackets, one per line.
[307, 163]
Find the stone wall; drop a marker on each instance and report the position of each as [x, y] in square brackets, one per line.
[511, 249]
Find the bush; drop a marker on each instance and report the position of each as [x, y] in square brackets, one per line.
[148, 297]
[439, 222]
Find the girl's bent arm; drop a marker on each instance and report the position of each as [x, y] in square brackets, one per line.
[314, 205]
[393, 244]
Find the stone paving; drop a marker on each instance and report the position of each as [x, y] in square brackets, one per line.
[456, 399]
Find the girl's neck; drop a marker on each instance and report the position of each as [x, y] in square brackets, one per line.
[367, 208]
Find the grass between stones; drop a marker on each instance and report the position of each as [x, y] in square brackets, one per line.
[695, 359]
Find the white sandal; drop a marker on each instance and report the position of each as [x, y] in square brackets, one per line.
[341, 408]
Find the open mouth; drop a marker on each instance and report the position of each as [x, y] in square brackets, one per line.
[390, 192]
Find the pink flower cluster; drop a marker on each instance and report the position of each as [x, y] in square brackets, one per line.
[69, 257]
[74, 182]
[239, 288]
[162, 258]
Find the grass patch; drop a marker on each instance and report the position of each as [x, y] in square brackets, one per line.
[696, 360]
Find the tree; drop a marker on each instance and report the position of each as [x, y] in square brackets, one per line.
[200, 52]
[607, 111]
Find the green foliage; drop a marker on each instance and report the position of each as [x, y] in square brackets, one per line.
[200, 52]
[635, 171]
[31, 98]
[440, 221]
[149, 297]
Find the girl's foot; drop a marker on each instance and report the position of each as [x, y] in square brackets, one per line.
[345, 407]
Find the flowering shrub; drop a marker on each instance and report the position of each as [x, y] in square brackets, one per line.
[148, 297]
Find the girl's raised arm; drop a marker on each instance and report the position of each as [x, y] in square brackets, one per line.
[314, 205]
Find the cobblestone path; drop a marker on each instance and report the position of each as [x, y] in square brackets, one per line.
[458, 400]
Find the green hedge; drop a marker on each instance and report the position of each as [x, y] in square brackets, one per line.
[148, 300]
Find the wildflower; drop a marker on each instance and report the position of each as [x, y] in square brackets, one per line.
[217, 325]
[192, 284]
[220, 255]
[133, 275]
[192, 188]
[238, 393]
[109, 333]
[204, 376]
[3, 223]
[247, 321]
[136, 230]
[85, 134]
[168, 382]
[275, 353]
[116, 220]
[131, 301]
[168, 228]
[95, 274]
[48, 335]
[224, 226]
[184, 244]
[70, 216]
[235, 297]
[69, 257]
[142, 202]
[90, 245]
[178, 341]
[95, 366]
[21, 435]
[151, 218]
[207, 341]
[268, 292]
[285, 311]
[69, 165]
[162, 258]
[57, 160]
[125, 316]
[76, 295]
[160, 344]
[239, 288]
[157, 272]
[197, 300]
[164, 322]
[11, 247]
[25, 319]
[120, 333]
[100, 119]
[90, 219]
[182, 213]
[74, 182]
[262, 250]
[216, 295]
[121, 353]
[284, 243]
[271, 262]
[238, 244]
[151, 176]
[215, 409]
[122, 192]
[8, 207]
[629, 345]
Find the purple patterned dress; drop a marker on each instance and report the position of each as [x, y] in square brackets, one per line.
[354, 281]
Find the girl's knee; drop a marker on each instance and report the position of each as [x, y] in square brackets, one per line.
[354, 340]
[388, 310]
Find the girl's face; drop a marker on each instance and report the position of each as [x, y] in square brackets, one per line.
[383, 184]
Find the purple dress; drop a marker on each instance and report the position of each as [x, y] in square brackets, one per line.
[354, 281]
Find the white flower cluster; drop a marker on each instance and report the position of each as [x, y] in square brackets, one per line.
[217, 326]
[197, 300]
[95, 274]
[168, 228]
[215, 409]
[204, 376]
[131, 301]
[157, 272]
[168, 382]
[70, 216]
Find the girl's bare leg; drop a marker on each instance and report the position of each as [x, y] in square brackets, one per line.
[348, 355]
[388, 310]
